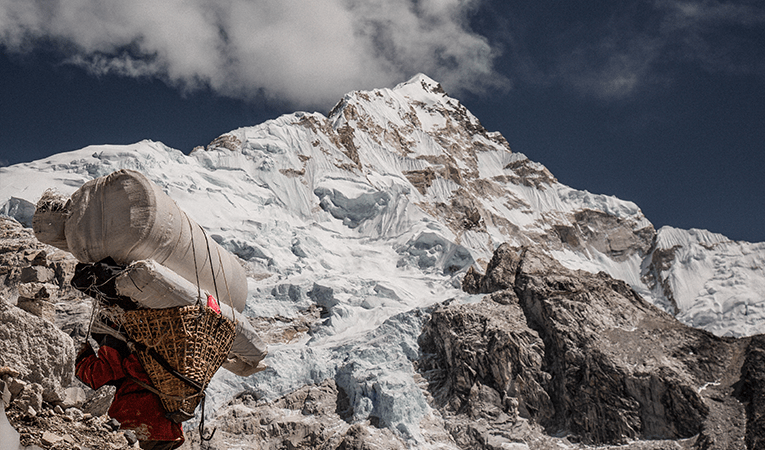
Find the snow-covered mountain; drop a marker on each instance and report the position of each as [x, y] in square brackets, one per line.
[374, 213]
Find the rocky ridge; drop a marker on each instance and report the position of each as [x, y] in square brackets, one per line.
[549, 358]
[585, 355]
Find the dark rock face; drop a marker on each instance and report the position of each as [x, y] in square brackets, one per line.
[753, 392]
[494, 359]
[583, 355]
[500, 273]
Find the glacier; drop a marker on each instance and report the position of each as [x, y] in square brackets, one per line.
[374, 212]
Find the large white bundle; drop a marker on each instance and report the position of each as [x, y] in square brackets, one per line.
[155, 286]
[126, 216]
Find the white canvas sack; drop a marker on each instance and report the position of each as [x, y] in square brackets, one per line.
[126, 216]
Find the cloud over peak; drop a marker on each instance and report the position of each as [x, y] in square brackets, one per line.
[304, 53]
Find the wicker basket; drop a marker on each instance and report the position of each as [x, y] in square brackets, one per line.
[194, 340]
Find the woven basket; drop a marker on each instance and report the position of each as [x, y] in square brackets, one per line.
[194, 340]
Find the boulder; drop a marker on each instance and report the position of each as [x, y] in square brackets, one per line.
[73, 397]
[36, 348]
[5, 393]
[31, 397]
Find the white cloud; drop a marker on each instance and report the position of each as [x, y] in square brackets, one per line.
[305, 52]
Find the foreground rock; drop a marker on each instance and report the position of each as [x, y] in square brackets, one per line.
[71, 429]
[36, 348]
[582, 355]
[311, 417]
[39, 311]
[42, 321]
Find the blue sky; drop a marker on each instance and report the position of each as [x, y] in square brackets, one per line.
[658, 102]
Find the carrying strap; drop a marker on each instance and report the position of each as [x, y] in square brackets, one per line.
[148, 387]
[163, 362]
[175, 416]
[137, 346]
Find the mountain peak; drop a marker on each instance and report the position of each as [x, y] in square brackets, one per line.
[423, 82]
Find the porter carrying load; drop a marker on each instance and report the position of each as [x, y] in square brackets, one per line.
[177, 306]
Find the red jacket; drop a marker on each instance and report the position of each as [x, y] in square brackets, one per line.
[134, 407]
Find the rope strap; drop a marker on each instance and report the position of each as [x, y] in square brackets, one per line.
[151, 388]
[137, 346]
[163, 362]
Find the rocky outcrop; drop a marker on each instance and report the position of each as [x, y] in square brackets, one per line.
[42, 321]
[613, 236]
[35, 277]
[582, 354]
[36, 348]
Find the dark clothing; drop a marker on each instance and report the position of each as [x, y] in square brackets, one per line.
[135, 407]
[157, 445]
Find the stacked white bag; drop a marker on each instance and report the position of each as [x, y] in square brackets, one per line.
[128, 218]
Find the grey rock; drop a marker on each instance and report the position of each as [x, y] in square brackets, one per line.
[36, 348]
[73, 317]
[130, 437]
[49, 439]
[41, 308]
[324, 296]
[73, 397]
[99, 401]
[616, 237]
[500, 273]
[19, 209]
[38, 274]
[752, 392]
[487, 346]
[16, 386]
[112, 424]
[288, 291]
[5, 393]
[31, 397]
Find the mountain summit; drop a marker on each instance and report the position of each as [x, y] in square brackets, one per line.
[354, 225]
